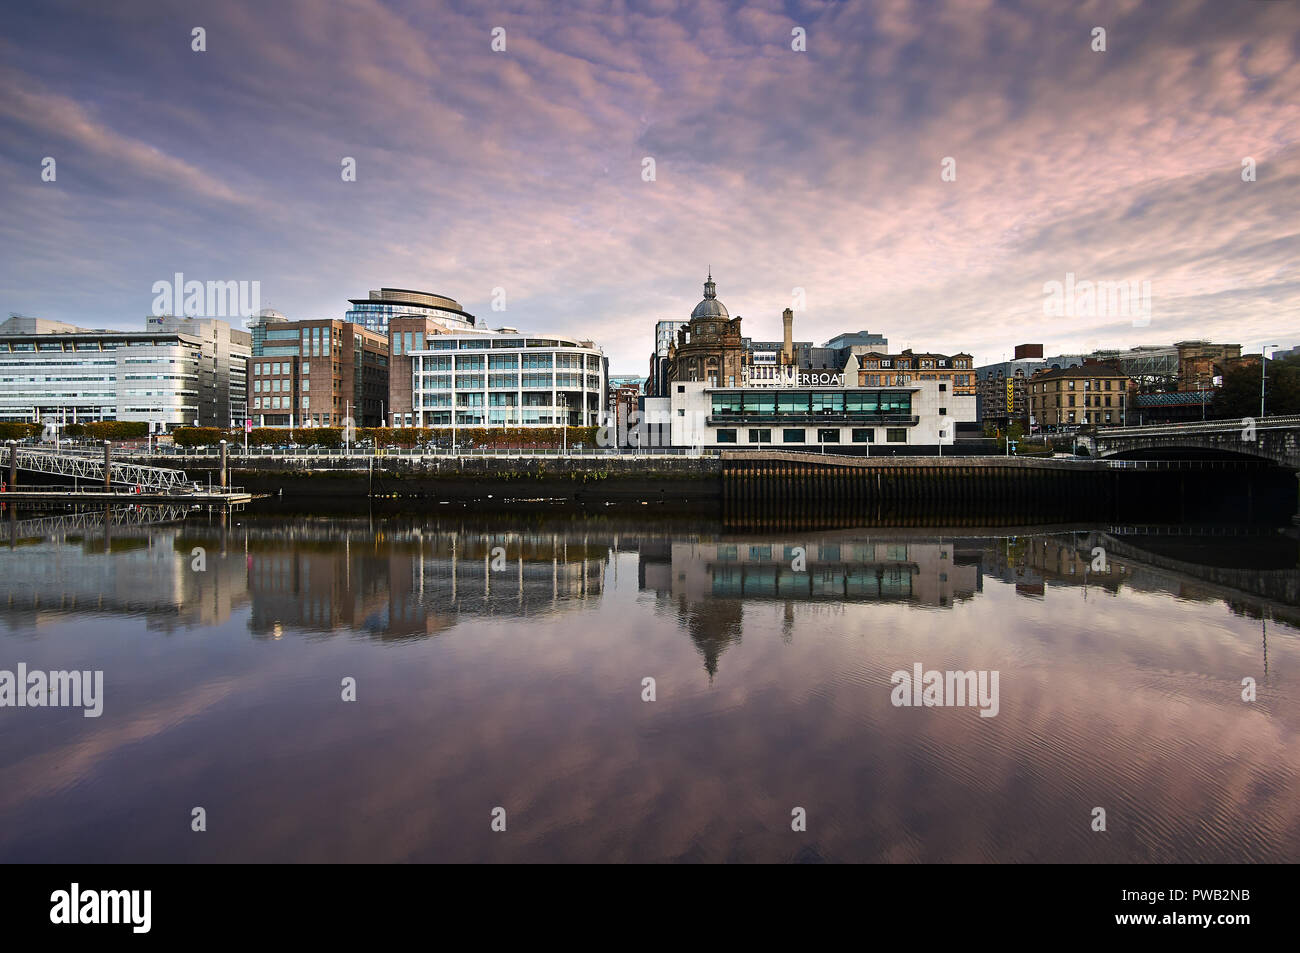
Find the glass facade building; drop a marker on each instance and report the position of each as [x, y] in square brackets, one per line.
[374, 313]
[506, 380]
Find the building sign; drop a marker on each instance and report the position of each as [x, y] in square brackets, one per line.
[806, 379]
[1011, 393]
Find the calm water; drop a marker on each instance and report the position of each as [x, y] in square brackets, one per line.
[514, 679]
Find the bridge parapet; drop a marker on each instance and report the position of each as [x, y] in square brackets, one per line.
[1268, 438]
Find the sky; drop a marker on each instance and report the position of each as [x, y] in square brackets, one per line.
[920, 169]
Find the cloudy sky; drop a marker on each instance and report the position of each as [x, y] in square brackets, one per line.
[817, 169]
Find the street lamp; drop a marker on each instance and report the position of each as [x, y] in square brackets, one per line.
[1263, 359]
[564, 423]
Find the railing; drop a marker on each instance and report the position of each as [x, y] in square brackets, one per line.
[1183, 464]
[1199, 426]
[87, 467]
[236, 454]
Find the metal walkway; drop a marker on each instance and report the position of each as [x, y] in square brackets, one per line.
[44, 526]
[86, 467]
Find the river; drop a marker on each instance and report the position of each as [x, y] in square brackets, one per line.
[461, 686]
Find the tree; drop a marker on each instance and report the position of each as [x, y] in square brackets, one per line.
[1239, 396]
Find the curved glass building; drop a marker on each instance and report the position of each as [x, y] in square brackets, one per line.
[373, 313]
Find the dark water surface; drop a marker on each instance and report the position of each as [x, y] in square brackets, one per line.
[514, 679]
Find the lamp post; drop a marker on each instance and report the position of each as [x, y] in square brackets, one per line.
[564, 424]
[1263, 364]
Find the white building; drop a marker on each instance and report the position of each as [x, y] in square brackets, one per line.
[923, 413]
[161, 376]
[507, 379]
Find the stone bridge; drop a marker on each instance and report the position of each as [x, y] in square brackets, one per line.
[1276, 439]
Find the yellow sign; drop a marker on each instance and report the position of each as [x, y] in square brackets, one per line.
[1011, 394]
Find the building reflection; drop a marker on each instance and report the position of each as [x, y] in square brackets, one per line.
[708, 581]
[416, 576]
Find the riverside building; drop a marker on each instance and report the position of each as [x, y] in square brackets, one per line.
[177, 372]
[724, 391]
[506, 378]
[317, 373]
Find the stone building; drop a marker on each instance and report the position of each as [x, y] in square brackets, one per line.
[1092, 394]
[710, 347]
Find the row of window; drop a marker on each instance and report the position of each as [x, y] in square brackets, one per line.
[511, 381]
[1042, 387]
[1089, 400]
[812, 402]
[824, 435]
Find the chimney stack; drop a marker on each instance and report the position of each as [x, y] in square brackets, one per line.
[787, 349]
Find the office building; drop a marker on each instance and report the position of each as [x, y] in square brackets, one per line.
[177, 372]
[508, 379]
[317, 373]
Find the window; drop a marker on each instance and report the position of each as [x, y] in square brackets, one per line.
[942, 388]
[864, 435]
[725, 405]
[792, 436]
[795, 402]
[726, 436]
[896, 435]
[828, 435]
[943, 411]
[760, 404]
[827, 403]
[760, 435]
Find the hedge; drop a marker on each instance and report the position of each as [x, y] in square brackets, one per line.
[501, 437]
[16, 431]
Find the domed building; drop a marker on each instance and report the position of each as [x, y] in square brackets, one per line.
[710, 347]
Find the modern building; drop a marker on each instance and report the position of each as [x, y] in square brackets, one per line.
[1093, 394]
[923, 413]
[407, 335]
[177, 372]
[317, 373]
[223, 368]
[864, 340]
[374, 313]
[507, 379]
[665, 335]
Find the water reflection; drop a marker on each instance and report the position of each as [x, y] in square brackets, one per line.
[500, 660]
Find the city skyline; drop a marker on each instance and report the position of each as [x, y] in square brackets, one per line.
[523, 169]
